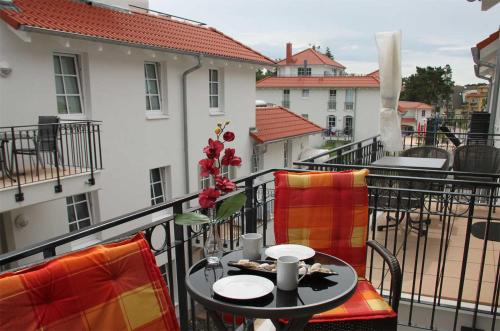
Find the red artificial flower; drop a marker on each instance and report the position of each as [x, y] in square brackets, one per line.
[207, 197]
[213, 149]
[228, 136]
[208, 168]
[230, 159]
[224, 184]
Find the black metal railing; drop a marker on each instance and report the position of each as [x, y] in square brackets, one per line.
[348, 105]
[332, 104]
[52, 151]
[401, 201]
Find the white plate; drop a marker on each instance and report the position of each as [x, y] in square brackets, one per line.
[243, 287]
[299, 251]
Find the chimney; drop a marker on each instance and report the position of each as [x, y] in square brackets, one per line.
[289, 53]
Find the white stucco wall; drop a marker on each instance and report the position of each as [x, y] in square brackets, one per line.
[316, 70]
[132, 144]
[365, 112]
[274, 155]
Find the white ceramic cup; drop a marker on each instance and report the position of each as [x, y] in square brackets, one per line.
[287, 269]
[251, 245]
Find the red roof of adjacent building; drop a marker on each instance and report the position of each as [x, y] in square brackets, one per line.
[323, 81]
[312, 57]
[80, 19]
[375, 74]
[408, 120]
[491, 38]
[275, 123]
[407, 105]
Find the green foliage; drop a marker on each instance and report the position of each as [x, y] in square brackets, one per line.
[261, 74]
[230, 206]
[328, 52]
[432, 85]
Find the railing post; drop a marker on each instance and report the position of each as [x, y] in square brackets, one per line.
[359, 153]
[374, 149]
[180, 261]
[250, 215]
[58, 187]
[89, 137]
[19, 195]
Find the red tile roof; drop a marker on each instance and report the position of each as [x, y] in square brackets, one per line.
[375, 74]
[492, 37]
[275, 123]
[324, 81]
[313, 57]
[407, 105]
[408, 120]
[75, 18]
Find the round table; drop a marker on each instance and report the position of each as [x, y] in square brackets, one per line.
[313, 295]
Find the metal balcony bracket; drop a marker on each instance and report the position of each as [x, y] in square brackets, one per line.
[58, 188]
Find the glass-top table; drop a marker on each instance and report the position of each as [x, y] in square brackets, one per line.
[314, 295]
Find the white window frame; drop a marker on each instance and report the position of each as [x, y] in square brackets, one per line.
[257, 159]
[352, 123]
[76, 63]
[220, 85]
[349, 102]
[158, 81]
[226, 171]
[332, 99]
[305, 93]
[306, 116]
[152, 183]
[72, 205]
[305, 71]
[329, 119]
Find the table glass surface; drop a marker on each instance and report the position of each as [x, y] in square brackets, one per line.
[410, 162]
[310, 291]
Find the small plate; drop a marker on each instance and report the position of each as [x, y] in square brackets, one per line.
[243, 287]
[299, 251]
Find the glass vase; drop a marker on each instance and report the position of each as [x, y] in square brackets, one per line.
[213, 248]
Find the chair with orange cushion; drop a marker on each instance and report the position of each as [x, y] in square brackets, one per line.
[106, 287]
[328, 212]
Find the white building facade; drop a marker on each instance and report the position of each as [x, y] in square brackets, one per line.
[142, 129]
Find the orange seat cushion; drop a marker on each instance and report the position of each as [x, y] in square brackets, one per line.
[327, 211]
[365, 304]
[106, 287]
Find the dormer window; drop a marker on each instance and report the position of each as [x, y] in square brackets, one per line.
[304, 71]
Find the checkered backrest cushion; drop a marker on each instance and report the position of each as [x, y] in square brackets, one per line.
[327, 211]
[107, 287]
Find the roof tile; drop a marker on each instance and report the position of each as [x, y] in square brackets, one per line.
[324, 81]
[312, 57]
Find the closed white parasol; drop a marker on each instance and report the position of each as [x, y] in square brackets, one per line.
[389, 59]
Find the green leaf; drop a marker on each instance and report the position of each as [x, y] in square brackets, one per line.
[231, 205]
[191, 219]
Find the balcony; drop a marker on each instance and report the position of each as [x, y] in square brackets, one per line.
[47, 154]
[348, 105]
[332, 104]
[450, 275]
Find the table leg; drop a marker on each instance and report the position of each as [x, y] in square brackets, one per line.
[219, 323]
[296, 324]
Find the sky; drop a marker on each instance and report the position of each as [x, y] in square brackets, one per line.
[434, 32]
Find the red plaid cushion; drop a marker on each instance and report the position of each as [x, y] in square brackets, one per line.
[327, 211]
[106, 287]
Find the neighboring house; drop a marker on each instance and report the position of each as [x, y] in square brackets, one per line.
[475, 97]
[279, 137]
[87, 61]
[414, 115]
[344, 105]
[309, 62]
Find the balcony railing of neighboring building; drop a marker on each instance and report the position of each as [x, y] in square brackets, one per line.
[43, 152]
[332, 104]
[348, 105]
[285, 103]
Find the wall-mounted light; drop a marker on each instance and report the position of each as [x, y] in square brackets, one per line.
[21, 221]
[5, 69]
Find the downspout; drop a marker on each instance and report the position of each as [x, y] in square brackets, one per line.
[185, 119]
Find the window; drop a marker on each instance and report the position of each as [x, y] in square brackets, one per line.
[68, 91]
[332, 100]
[348, 125]
[331, 122]
[349, 99]
[153, 95]
[304, 71]
[423, 113]
[305, 93]
[286, 153]
[157, 185]
[257, 158]
[79, 215]
[286, 99]
[214, 88]
[306, 116]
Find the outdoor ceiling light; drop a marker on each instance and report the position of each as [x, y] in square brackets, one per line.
[5, 69]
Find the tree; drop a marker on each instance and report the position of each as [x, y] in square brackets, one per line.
[328, 53]
[432, 85]
[261, 74]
